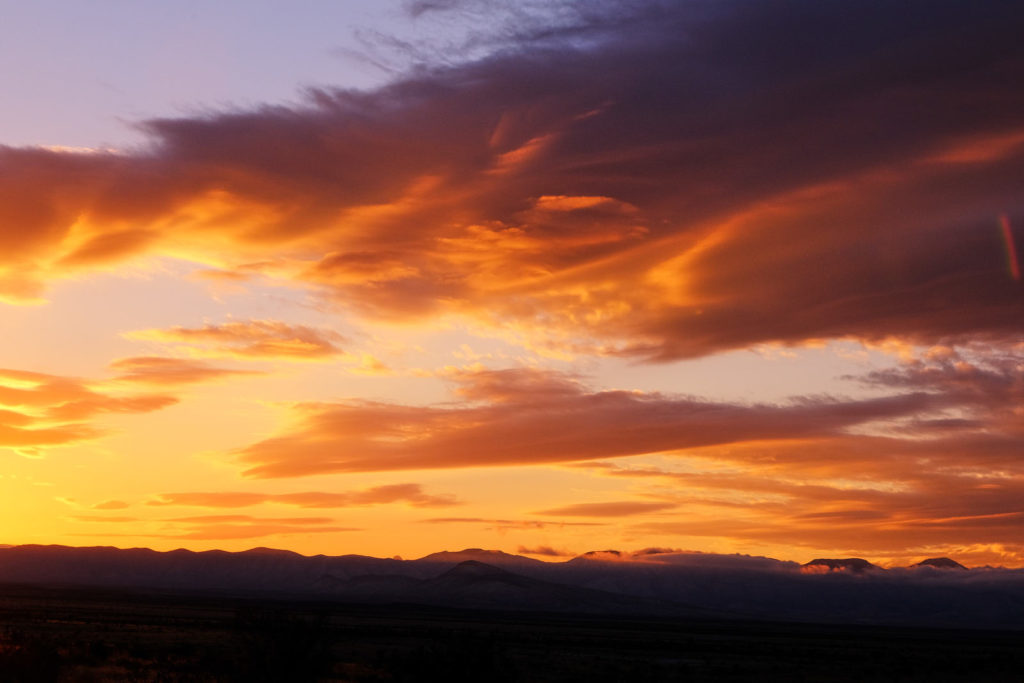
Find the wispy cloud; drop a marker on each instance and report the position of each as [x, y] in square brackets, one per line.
[251, 339]
[507, 524]
[409, 494]
[533, 417]
[224, 527]
[543, 551]
[618, 508]
[39, 410]
[111, 505]
[158, 370]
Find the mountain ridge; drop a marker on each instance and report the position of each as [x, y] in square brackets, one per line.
[670, 584]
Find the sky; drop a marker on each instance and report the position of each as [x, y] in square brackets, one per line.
[396, 277]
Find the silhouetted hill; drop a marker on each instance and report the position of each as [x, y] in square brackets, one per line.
[492, 557]
[475, 584]
[849, 564]
[940, 563]
[599, 556]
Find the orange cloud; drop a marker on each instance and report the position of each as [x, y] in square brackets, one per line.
[107, 247]
[543, 551]
[817, 498]
[619, 508]
[102, 518]
[252, 339]
[410, 494]
[224, 527]
[525, 416]
[206, 519]
[936, 465]
[111, 505]
[169, 371]
[646, 195]
[506, 524]
[38, 409]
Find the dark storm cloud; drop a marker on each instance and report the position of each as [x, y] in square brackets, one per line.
[656, 179]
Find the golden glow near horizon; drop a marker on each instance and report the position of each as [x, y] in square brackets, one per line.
[546, 315]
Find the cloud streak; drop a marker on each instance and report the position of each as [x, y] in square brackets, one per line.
[226, 527]
[250, 340]
[409, 494]
[503, 525]
[619, 508]
[162, 371]
[527, 416]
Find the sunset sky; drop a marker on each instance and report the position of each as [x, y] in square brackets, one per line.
[393, 277]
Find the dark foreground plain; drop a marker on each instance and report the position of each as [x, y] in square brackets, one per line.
[60, 634]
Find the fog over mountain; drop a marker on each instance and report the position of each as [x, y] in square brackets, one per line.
[935, 592]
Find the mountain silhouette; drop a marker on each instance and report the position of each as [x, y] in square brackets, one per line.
[853, 565]
[492, 557]
[670, 585]
[939, 563]
[599, 556]
[476, 584]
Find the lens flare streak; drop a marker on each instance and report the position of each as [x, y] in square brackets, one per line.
[1011, 249]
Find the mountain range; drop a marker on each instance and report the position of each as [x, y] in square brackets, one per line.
[935, 592]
